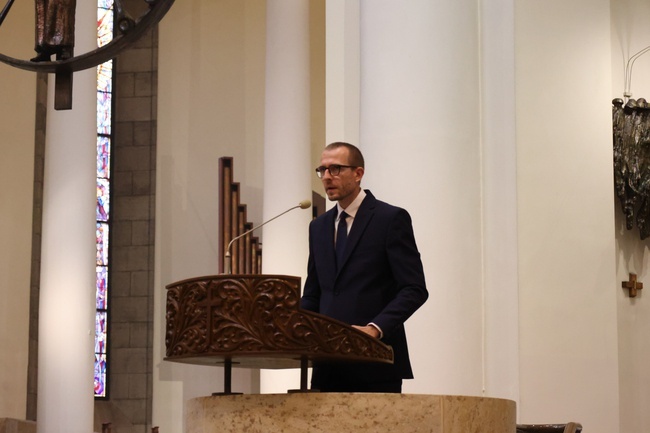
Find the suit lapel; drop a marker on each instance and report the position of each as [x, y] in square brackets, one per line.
[327, 241]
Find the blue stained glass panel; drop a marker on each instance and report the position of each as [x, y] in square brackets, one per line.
[100, 332]
[100, 354]
[100, 375]
[102, 244]
[104, 112]
[102, 288]
[103, 157]
[104, 118]
[103, 199]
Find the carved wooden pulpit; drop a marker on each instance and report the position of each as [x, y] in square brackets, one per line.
[254, 321]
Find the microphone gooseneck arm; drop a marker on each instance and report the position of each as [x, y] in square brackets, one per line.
[302, 205]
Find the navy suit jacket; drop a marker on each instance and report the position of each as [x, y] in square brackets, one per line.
[380, 279]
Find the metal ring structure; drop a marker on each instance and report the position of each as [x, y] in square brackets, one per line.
[157, 10]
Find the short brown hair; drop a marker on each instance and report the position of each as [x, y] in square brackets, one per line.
[356, 158]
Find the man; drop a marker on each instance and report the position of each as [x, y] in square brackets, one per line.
[375, 283]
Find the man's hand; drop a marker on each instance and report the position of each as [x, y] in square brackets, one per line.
[370, 330]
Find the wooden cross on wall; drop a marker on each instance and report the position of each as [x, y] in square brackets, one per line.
[633, 285]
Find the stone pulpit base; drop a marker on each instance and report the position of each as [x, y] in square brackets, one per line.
[349, 412]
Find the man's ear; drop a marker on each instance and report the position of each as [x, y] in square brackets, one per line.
[358, 173]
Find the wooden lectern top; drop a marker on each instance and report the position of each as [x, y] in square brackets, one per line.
[255, 321]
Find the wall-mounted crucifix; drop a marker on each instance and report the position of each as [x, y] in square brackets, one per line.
[55, 38]
[633, 285]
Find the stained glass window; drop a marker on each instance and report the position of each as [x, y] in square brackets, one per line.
[104, 118]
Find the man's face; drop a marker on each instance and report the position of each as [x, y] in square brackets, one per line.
[345, 186]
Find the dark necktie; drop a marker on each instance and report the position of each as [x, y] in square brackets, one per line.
[341, 237]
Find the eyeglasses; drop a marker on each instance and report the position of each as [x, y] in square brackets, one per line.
[334, 169]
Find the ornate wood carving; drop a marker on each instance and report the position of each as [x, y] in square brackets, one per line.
[255, 321]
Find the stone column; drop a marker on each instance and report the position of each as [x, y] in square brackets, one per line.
[67, 294]
[499, 201]
[342, 71]
[420, 134]
[286, 150]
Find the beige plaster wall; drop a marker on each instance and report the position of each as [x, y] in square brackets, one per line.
[567, 277]
[17, 113]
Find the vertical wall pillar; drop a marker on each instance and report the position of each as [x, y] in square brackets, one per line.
[499, 201]
[287, 161]
[342, 71]
[66, 316]
[568, 350]
[420, 133]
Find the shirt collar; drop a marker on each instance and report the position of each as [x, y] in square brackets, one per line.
[352, 209]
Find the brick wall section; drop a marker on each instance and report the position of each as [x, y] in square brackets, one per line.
[132, 241]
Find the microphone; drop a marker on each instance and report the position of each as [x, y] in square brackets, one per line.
[305, 204]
